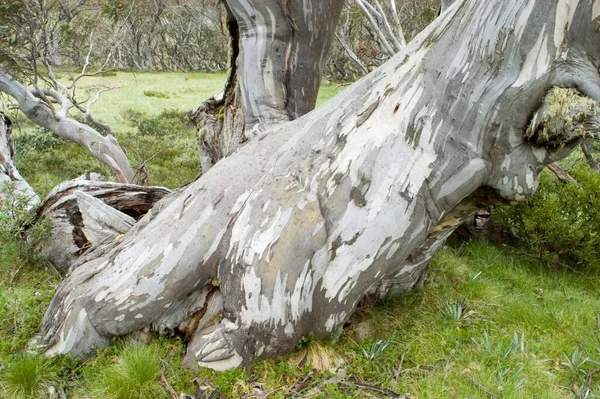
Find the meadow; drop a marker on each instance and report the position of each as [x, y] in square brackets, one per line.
[491, 322]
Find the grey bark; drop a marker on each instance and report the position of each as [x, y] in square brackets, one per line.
[587, 149]
[283, 238]
[277, 56]
[445, 4]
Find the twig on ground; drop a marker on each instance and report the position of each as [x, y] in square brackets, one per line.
[164, 382]
[481, 387]
[384, 391]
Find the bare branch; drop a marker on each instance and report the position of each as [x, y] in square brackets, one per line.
[388, 28]
[384, 42]
[342, 38]
[105, 149]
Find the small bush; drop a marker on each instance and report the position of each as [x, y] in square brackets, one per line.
[15, 221]
[560, 222]
[37, 140]
[167, 123]
[28, 377]
[132, 116]
[135, 375]
[156, 94]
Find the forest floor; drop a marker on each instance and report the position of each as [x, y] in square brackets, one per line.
[492, 322]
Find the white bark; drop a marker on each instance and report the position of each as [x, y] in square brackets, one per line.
[105, 148]
[295, 227]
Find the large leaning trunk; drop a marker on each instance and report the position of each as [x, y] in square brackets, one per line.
[277, 55]
[284, 237]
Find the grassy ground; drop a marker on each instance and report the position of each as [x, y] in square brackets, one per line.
[490, 323]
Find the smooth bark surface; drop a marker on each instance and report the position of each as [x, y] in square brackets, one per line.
[284, 238]
[277, 55]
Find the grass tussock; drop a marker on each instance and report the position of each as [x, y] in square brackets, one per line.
[135, 374]
[28, 377]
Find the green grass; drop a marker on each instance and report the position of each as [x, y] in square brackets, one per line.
[183, 91]
[524, 331]
[28, 377]
[135, 374]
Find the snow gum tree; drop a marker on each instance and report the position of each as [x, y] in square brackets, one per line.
[285, 236]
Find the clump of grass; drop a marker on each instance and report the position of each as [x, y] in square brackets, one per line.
[320, 356]
[135, 375]
[28, 377]
[156, 94]
[455, 310]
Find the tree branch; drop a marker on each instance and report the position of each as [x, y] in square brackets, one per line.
[105, 149]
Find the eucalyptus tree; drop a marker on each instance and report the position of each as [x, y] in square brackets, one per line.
[277, 54]
[285, 236]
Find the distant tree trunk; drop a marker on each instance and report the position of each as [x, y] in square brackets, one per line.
[283, 238]
[277, 55]
[8, 168]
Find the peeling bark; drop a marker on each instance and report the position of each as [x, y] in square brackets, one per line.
[351, 199]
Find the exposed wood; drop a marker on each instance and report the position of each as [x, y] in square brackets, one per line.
[100, 221]
[108, 209]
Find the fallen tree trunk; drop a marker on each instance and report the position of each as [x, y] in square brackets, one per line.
[283, 238]
[87, 214]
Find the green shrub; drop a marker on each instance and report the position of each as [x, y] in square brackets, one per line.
[168, 123]
[132, 116]
[28, 377]
[561, 221]
[17, 221]
[36, 140]
[135, 375]
[156, 94]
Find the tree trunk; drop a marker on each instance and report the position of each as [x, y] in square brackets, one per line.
[277, 55]
[283, 238]
[9, 173]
